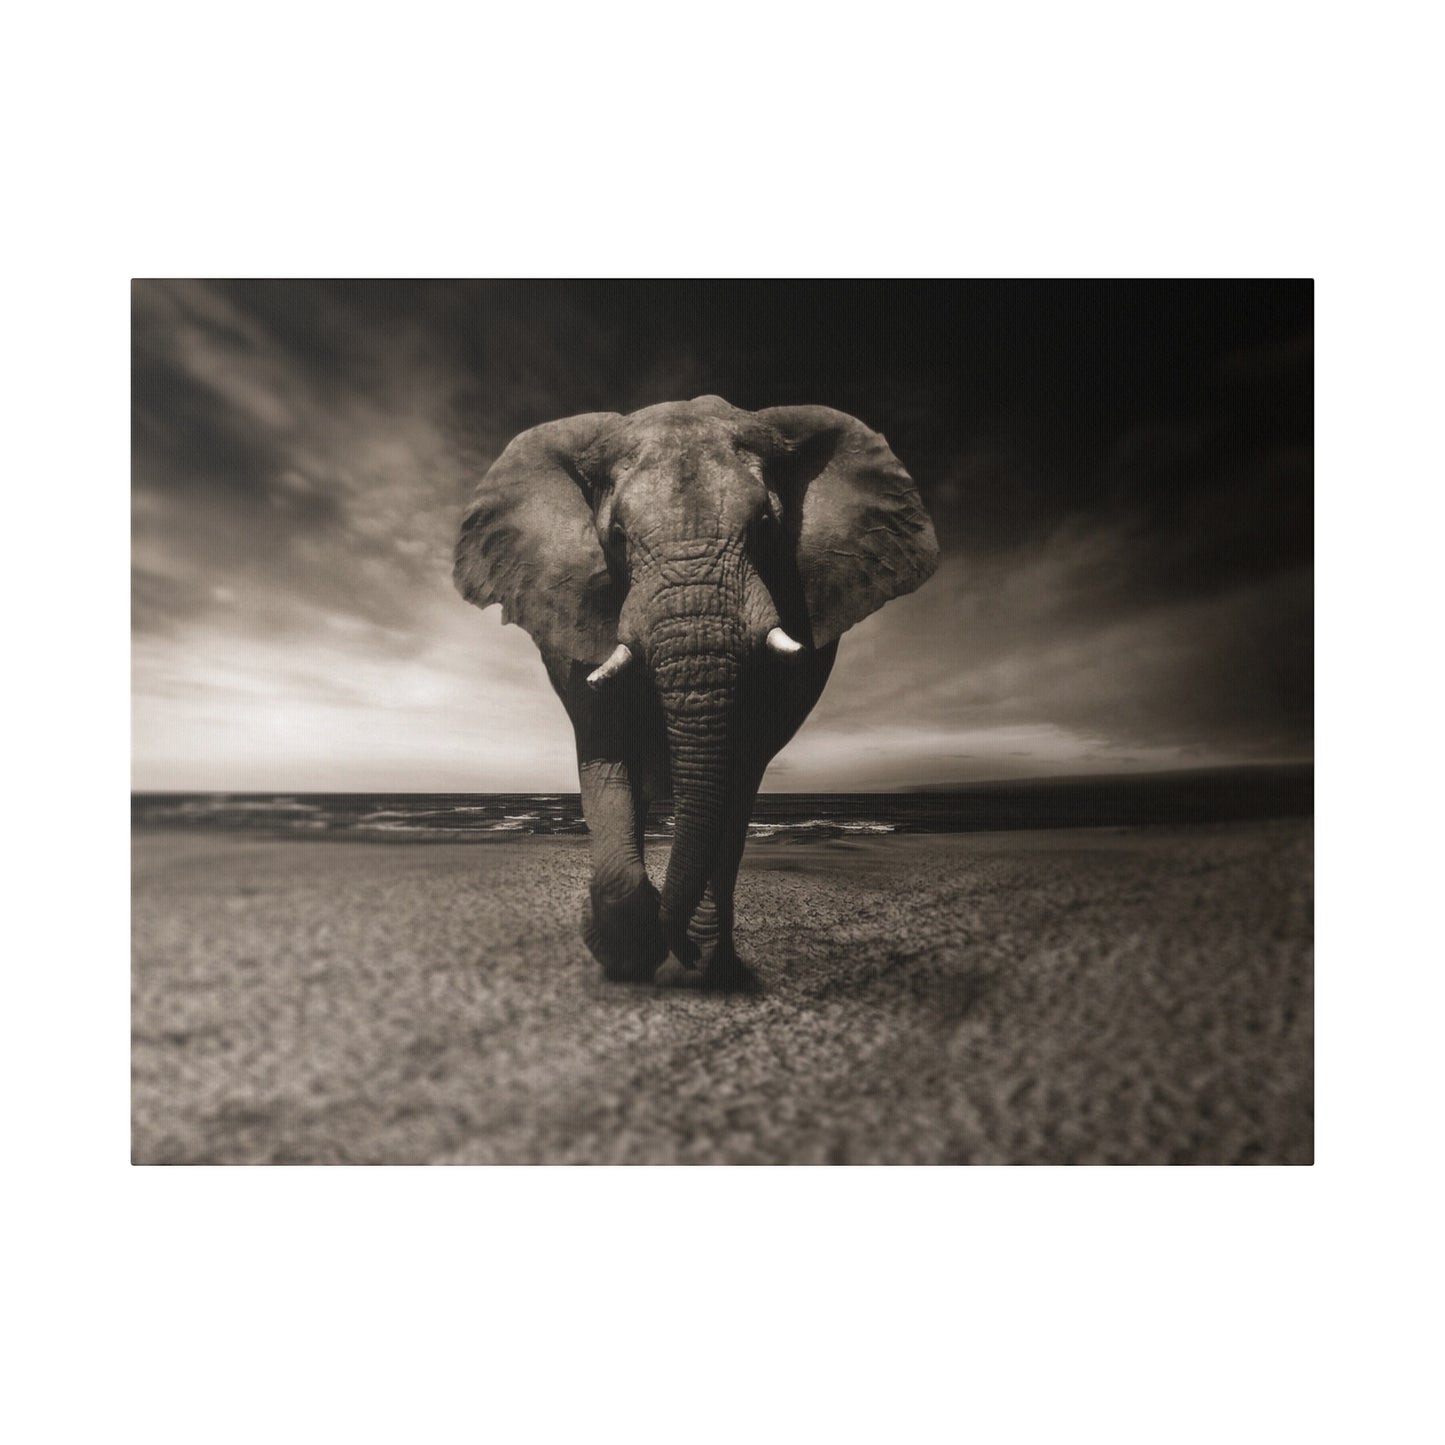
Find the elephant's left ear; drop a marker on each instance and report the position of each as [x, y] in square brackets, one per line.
[527, 541]
[862, 534]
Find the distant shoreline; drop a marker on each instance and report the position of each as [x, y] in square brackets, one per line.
[1212, 795]
[1235, 770]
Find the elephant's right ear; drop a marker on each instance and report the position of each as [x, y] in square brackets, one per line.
[528, 542]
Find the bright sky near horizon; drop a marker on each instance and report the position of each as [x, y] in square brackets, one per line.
[1121, 481]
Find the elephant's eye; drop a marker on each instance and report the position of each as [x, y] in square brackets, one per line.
[617, 538]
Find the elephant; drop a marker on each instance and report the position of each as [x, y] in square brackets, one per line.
[686, 571]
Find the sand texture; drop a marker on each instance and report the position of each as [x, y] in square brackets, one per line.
[1136, 995]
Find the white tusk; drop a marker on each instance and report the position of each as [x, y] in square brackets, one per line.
[778, 641]
[621, 657]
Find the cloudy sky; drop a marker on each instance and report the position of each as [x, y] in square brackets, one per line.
[1120, 473]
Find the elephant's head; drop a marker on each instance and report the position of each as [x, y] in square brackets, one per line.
[696, 541]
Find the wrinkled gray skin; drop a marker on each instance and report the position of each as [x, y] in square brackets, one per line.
[687, 531]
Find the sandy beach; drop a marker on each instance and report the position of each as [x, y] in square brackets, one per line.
[1122, 995]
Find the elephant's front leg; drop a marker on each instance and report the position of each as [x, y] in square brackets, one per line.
[619, 921]
[711, 961]
[712, 926]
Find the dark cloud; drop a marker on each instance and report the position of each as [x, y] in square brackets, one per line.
[1121, 475]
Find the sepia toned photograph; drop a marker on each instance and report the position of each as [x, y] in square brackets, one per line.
[750, 588]
[789, 722]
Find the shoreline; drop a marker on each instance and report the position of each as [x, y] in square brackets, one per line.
[466, 838]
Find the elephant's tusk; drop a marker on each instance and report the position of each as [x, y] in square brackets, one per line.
[778, 641]
[618, 662]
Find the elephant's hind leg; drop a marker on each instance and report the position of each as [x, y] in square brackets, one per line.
[619, 923]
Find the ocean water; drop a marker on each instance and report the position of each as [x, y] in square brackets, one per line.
[1215, 795]
[473, 815]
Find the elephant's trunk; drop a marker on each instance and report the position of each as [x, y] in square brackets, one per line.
[695, 650]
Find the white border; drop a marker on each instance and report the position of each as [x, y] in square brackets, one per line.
[535, 1304]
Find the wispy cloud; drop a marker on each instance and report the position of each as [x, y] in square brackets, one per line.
[334, 706]
[1043, 653]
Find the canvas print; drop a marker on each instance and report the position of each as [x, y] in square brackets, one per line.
[722, 722]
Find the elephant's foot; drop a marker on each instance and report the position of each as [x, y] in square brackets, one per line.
[722, 970]
[705, 962]
[725, 972]
[622, 933]
[672, 972]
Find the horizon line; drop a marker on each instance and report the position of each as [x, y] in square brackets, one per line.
[941, 787]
